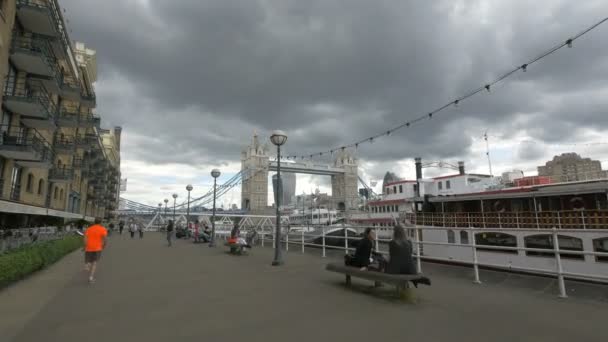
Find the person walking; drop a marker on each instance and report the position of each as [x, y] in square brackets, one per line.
[141, 231]
[94, 242]
[121, 226]
[169, 232]
[132, 229]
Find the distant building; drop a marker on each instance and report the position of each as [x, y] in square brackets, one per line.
[570, 167]
[289, 187]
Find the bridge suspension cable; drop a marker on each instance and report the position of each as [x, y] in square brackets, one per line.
[485, 87]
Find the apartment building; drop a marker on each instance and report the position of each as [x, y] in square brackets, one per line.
[56, 163]
[571, 167]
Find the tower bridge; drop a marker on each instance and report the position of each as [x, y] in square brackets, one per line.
[256, 163]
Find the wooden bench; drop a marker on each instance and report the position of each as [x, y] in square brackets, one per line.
[400, 281]
[235, 248]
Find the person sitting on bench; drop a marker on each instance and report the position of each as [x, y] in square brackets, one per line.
[235, 238]
[206, 234]
[363, 253]
[400, 256]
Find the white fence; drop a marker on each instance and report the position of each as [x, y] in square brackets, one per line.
[478, 255]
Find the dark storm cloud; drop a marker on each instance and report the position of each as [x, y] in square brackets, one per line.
[204, 74]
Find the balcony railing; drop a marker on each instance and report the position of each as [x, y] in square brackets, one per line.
[64, 145]
[30, 99]
[24, 145]
[567, 219]
[61, 175]
[34, 55]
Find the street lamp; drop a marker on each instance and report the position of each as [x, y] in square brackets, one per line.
[174, 201]
[160, 212]
[278, 138]
[189, 188]
[166, 201]
[214, 173]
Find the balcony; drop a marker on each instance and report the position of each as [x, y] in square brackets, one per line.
[32, 101]
[38, 17]
[27, 147]
[33, 55]
[79, 164]
[61, 175]
[64, 145]
[69, 89]
[71, 118]
[88, 100]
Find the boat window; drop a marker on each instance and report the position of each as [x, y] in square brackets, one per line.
[601, 246]
[440, 185]
[400, 189]
[464, 237]
[447, 185]
[497, 240]
[451, 236]
[545, 241]
[394, 189]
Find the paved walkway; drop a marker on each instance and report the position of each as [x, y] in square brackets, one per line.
[149, 292]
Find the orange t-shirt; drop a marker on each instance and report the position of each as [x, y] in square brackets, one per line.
[95, 235]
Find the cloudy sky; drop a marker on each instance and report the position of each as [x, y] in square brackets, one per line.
[191, 80]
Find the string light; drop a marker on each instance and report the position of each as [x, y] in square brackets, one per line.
[487, 86]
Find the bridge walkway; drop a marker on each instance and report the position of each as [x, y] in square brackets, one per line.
[149, 292]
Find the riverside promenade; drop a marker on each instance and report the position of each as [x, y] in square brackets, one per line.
[149, 292]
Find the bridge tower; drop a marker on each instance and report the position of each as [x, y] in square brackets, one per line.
[344, 186]
[254, 165]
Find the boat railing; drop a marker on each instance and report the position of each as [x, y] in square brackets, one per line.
[476, 242]
[566, 219]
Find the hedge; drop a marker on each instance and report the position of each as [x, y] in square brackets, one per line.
[19, 263]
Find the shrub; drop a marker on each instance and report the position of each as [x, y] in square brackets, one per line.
[19, 263]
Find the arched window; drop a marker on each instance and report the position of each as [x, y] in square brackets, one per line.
[55, 192]
[497, 240]
[40, 186]
[464, 237]
[451, 236]
[29, 186]
[601, 246]
[59, 164]
[61, 194]
[545, 241]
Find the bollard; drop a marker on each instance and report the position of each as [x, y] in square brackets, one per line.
[263, 237]
[345, 239]
[302, 240]
[323, 238]
[558, 263]
[377, 244]
[475, 261]
[419, 261]
[287, 242]
[274, 243]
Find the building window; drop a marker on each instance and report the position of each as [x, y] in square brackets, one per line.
[440, 185]
[16, 183]
[464, 237]
[545, 241]
[61, 196]
[40, 186]
[496, 240]
[448, 185]
[400, 189]
[29, 185]
[601, 246]
[451, 236]
[55, 193]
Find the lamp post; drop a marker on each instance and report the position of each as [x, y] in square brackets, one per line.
[174, 202]
[189, 188]
[214, 173]
[166, 201]
[278, 138]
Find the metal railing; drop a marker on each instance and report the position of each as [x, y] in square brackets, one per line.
[23, 139]
[566, 219]
[325, 242]
[61, 174]
[36, 44]
[33, 91]
[11, 239]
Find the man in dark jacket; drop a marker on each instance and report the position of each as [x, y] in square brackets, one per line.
[363, 252]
